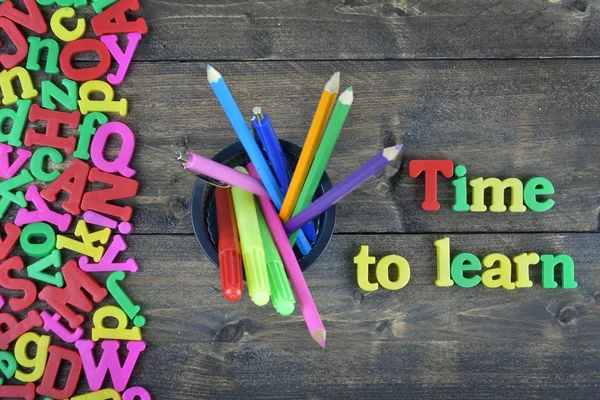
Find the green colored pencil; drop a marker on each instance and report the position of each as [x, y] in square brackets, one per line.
[330, 137]
[282, 296]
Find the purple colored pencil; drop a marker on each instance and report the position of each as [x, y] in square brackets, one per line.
[352, 181]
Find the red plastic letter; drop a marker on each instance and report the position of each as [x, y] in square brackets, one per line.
[16, 328]
[26, 392]
[73, 294]
[34, 20]
[122, 188]
[12, 60]
[114, 20]
[72, 181]
[10, 240]
[7, 282]
[431, 168]
[84, 46]
[54, 119]
[57, 355]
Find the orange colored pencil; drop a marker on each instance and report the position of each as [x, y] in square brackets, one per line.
[313, 139]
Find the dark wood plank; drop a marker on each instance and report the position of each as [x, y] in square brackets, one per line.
[369, 29]
[499, 118]
[419, 342]
[363, 29]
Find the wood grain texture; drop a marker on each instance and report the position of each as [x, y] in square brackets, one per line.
[418, 342]
[369, 29]
[499, 118]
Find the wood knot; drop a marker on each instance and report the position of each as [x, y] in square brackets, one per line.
[567, 315]
[358, 296]
[233, 331]
[579, 5]
[385, 325]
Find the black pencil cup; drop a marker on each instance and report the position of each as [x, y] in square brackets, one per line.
[204, 212]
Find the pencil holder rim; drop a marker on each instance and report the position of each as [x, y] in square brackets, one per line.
[199, 212]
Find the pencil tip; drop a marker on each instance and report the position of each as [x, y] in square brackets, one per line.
[347, 97]
[319, 336]
[392, 152]
[212, 74]
[333, 85]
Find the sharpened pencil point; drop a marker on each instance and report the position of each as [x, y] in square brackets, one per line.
[319, 336]
[212, 74]
[347, 97]
[333, 85]
[392, 152]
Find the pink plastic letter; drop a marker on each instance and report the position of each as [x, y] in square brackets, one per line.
[121, 163]
[136, 393]
[43, 213]
[8, 170]
[107, 263]
[51, 324]
[123, 59]
[109, 362]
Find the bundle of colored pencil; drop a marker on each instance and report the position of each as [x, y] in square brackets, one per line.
[268, 201]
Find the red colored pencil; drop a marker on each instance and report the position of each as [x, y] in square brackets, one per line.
[230, 257]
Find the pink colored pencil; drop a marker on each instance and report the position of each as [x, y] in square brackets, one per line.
[220, 172]
[297, 281]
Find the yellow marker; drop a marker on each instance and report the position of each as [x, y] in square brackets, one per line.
[86, 246]
[7, 78]
[38, 363]
[59, 29]
[362, 261]
[104, 394]
[253, 252]
[86, 105]
[383, 276]
[99, 331]
[443, 262]
[499, 276]
[311, 144]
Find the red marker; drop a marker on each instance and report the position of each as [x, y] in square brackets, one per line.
[230, 257]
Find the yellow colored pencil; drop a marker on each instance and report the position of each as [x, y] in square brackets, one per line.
[311, 144]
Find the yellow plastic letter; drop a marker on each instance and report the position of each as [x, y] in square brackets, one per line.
[104, 394]
[86, 105]
[86, 246]
[498, 188]
[383, 275]
[38, 363]
[8, 91]
[503, 272]
[362, 261]
[100, 331]
[522, 262]
[60, 31]
[443, 262]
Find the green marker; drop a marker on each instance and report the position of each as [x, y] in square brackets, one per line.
[281, 292]
[330, 137]
[253, 252]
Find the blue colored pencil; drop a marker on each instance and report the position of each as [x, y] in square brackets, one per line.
[219, 87]
[265, 132]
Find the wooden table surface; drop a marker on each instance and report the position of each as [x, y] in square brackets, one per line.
[508, 88]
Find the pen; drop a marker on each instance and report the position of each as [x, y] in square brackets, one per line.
[265, 132]
[351, 182]
[297, 281]
[220, 172]
[225, 98]
[252, 247]
[230, 258]
[281, 292]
